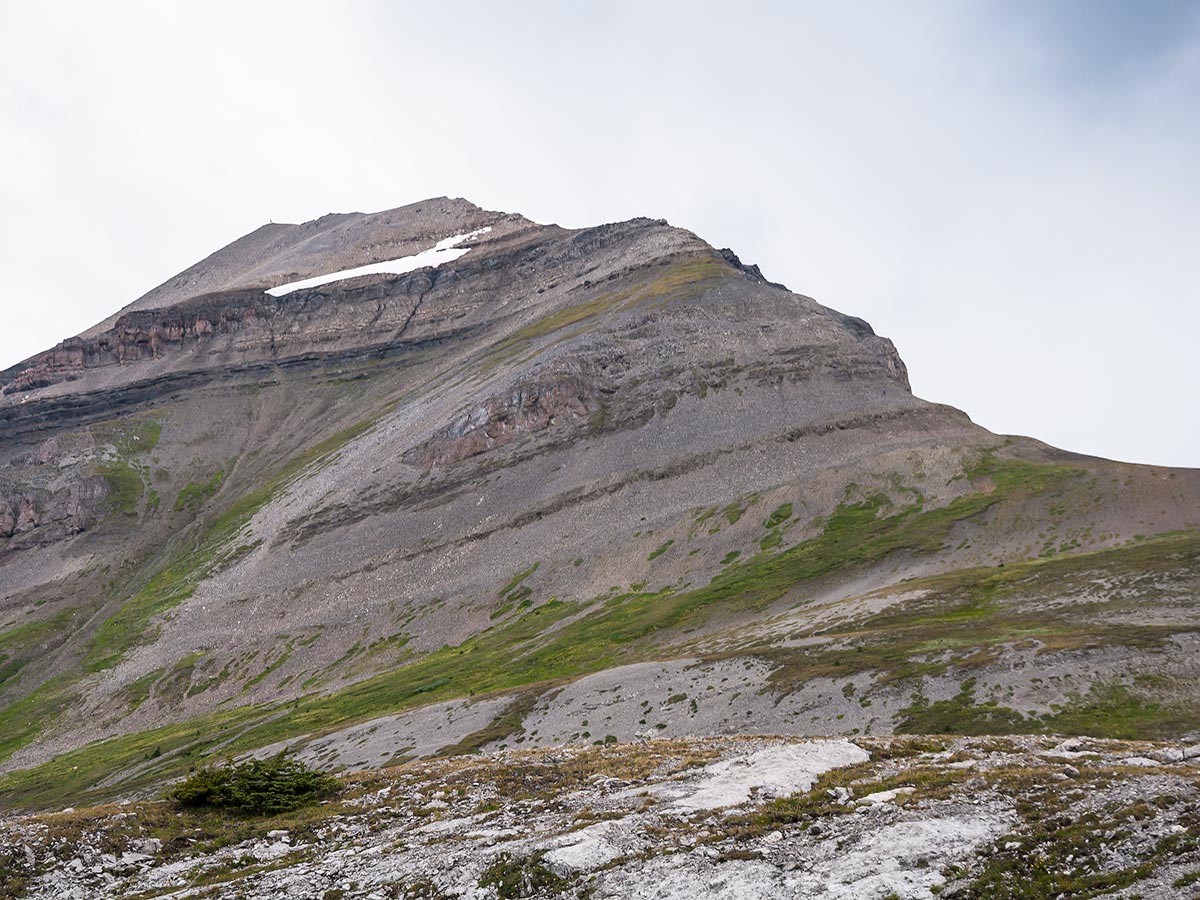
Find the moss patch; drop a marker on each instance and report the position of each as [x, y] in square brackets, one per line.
[196, 493]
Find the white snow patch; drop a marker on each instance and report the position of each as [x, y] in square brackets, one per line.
[443, 251]
[772, 772]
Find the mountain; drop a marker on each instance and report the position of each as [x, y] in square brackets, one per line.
[542, 486]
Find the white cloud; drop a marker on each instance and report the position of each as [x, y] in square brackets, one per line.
[1018, 217]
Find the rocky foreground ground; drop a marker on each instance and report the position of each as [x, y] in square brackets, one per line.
[980, 817]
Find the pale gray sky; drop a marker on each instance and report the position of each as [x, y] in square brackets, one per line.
[1009, 190]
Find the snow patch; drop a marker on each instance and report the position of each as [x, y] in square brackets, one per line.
[771, 772]
[443, 251]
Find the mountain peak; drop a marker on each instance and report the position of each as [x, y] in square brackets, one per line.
[279, 251]
[447, 478]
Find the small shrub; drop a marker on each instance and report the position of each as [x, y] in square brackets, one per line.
[256, 787]
[516, 877]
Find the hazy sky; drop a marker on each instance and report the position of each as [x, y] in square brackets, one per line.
[1009, 190]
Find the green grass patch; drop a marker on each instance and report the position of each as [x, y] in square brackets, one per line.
[24, 720]
[129, 437]
[508, 724]
[1112, 710]
[780, 515]
[275, 664]
[660, 550]
[514, 592]
[960, 715]
[138, 692]
[196, 493]
[517, 579]
[20, 644]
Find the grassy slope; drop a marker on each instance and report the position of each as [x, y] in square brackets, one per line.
[169, 583]
[963, 611]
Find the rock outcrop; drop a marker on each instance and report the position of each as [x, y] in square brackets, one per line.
[749, 818]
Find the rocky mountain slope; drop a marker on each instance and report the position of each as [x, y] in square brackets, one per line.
[566, 487]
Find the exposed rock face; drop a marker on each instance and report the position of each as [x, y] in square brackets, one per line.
[570, 485]
[556, 401]
[67, 512]
[58, 495]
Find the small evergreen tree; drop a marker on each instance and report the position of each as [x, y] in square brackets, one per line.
[256, 787]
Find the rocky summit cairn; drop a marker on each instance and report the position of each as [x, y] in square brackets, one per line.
[402, 488]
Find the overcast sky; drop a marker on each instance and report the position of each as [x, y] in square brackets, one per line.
[1009, 190]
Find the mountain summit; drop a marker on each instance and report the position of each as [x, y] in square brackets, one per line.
[438, 479]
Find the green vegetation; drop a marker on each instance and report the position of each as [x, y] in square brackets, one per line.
[920, 782]
[138, 692]
[25, 719]
[731, 512]
[129, 438]
[778, 517]
[258, 787]
[510, 722]
[522, 876]
[963, 620]
[15, 870]
[625, 627]
[1112, 710]
[176, 579]
[195, 494]
[960, 715]
[774, 525]
[173, 581]
[1061, 852]
[276, 663]
[659, 551]
[20, 644]
[516, 591]
[518, 579]
[958, 621]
